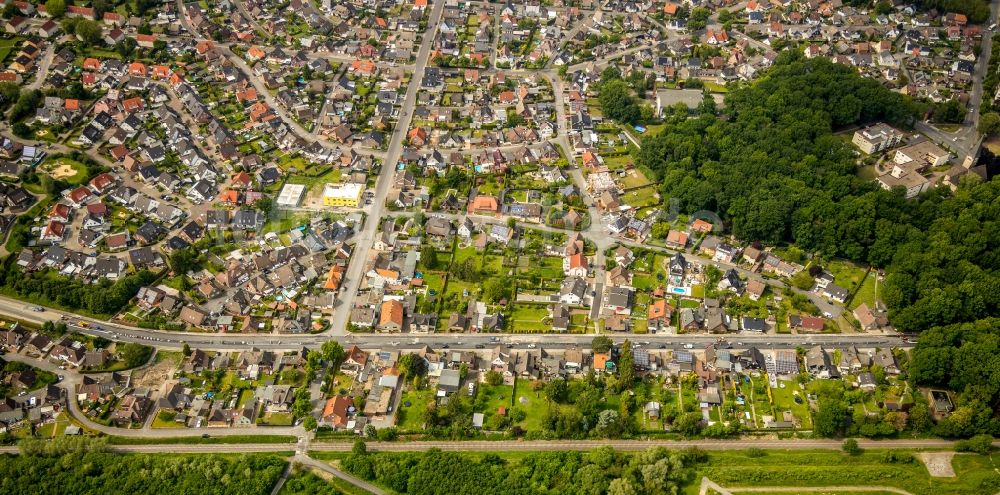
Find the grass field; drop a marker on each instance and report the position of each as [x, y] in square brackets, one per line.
[55, 428]
[490, 399]
[286, 222]
[312, 181]
[866, 293]
[642, 197]
[846, 274]
[549, 267]
[534, 405]
[831, 468]
[165, 419]
[528, 318]
[231, 439]
[408, 418]
[784, 400]
[635, 179]
[7, 46]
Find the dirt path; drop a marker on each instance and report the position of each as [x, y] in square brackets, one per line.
[707, 484]
[827, 489]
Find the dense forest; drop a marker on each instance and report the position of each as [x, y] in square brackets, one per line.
[80, 466]
[978, 11]
[52, 289]
[654, 471]
[964, 357]
[773, 168]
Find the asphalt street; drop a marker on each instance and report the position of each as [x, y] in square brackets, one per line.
[215, 341]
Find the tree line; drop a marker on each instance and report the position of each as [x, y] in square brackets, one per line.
[601, 471]
[48, 287]
[78, 465]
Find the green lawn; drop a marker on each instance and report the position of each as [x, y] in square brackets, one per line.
[492, 263]
[846, 274]
[194, 439]
[535, 405]
[714, 87]
[174, 356]
[866, 293]
[408, 418]
[528, 318]
[286, 222]
[634, 179]
[618, 162]
[642, 197]
[784, 401]
[644, 281]
[55, 428]
[433, 280]
[333, 175]
[277, 419]
[689, 303]
[165, 419]
[461, 254]
[490, 399]
[545, 267]
[7, 46]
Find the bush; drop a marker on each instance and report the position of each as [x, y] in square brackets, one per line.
[980, 444]
[897, 457]
[851, 447]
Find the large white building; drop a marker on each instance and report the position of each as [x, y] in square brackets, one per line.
[291, 195]
[876, 138]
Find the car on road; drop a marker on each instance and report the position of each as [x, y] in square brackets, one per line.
[689, 346]
[532, 346]
[480, 346]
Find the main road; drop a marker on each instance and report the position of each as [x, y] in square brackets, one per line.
[965, 141]
[232, 342]
[359, 258]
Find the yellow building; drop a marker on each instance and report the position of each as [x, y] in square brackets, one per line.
[342, 195]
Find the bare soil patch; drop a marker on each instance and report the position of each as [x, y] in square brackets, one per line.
[155, 375]
[938, 463]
